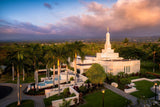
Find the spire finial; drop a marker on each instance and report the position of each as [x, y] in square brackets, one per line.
[107, 29]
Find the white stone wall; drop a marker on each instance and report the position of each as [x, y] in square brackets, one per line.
[56, 103]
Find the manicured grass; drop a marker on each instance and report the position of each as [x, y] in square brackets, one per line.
[24, 103]
[134, 77]
[144, 89]
[111, 99]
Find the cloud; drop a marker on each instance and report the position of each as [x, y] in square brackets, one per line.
[132, 17]
[47, 5]
[23, 28]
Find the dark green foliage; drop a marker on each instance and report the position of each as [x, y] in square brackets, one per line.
[83, 89]
[96, 74]
[125, 81]
[126, 40]
[66, 92]
[47, 101]
[65, 103]
[131, 53]
[71, 79]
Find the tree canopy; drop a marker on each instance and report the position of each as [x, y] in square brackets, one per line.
[96, 74]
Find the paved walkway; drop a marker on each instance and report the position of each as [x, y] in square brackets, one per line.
[121, 93]
[38, 100]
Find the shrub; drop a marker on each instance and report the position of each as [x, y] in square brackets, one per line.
[66, 92]
[82, 89]
[125, 81]
[71, 79]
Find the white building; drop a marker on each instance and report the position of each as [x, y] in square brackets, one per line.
[109, 60]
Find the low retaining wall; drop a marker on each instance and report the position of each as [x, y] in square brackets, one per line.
[140, 79]
[56, 103]
[130, 90]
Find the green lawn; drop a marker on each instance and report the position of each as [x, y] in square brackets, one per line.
[144, 89]
[111, 99]
[24, 103]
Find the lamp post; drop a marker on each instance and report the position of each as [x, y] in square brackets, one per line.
[20, 92]
[103, 91]
[155, 90]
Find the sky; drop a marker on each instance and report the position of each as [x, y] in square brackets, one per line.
[77, 19]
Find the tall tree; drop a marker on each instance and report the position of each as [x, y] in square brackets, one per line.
[51, 60]
[59, 55]
[11, 56]
[35, 53]
[126, 41]
[96, 74]
[77, 50]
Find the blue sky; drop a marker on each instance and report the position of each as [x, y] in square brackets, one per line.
[48, 19]
[35, 12]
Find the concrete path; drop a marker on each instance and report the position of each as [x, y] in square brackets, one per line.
[38, 100]
[121, 93]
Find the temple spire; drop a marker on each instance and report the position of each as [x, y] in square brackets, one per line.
[107, 29]
[107, 44]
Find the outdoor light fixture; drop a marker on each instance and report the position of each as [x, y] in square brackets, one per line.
[103, 91]
[155, 90]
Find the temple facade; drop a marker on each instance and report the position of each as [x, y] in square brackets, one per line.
[110, 61]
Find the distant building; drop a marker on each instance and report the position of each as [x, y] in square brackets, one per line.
[110, 61]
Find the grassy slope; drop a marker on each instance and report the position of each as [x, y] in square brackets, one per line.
[111, 99]
[144, 89]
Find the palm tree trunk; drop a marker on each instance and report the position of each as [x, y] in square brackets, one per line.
[12, 72]
[67, 73]
[46, 71]
[18, 88]
[23, 74]
[75, 68]
[53, 75]
[36, 79]
[58, 78]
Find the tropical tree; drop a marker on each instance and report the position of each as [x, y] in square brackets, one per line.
[152, 50]
[68, 54]
[35, 53]
[96, 74]
[51, 60]
[125, 41]
[19, 62]
[11, 56]
[59, 55]
[77, 50]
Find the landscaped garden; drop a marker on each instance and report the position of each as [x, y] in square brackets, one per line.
[64, 94]
[143, 88]
[24, 103]
[111, 99]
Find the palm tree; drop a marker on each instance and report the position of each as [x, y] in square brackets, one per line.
[35, 53]
[50, 60]
[19, 62]
[59, 55]
[152, 49]
[68, 54]
[77, 49]
[19, 65]
[11, 56]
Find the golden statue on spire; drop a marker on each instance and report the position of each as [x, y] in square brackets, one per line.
[107, 29]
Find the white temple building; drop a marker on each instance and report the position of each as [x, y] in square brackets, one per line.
[110, 61]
